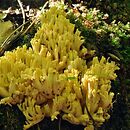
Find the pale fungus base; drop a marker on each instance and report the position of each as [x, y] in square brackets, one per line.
[51, 77]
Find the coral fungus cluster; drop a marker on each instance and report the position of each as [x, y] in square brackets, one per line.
[51, 77]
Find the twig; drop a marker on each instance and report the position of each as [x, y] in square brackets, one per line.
[59, 124]
[23, 13]
[13, 36]
[25, 31]
[94, 124]
[35, 19]
[14, 33]
[84, 103]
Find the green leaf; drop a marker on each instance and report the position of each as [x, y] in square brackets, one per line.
[71, 78]
[5, 29]
[2, 16]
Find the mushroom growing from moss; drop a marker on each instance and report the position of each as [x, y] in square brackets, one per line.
[44, 79]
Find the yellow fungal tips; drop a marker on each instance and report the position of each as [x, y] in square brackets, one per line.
[4, 92]
[98, 116]
[106, 99]
[84, 119]
[96, 86]
[57, 35]
[103, 68]
[32, 112]
[89, 127]
[52, 76]
[51, 14]
[71, 118]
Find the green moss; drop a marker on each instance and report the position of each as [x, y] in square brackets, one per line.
[11, 118]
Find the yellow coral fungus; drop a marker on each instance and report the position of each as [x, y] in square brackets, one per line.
[32, 111]
[51, 76]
